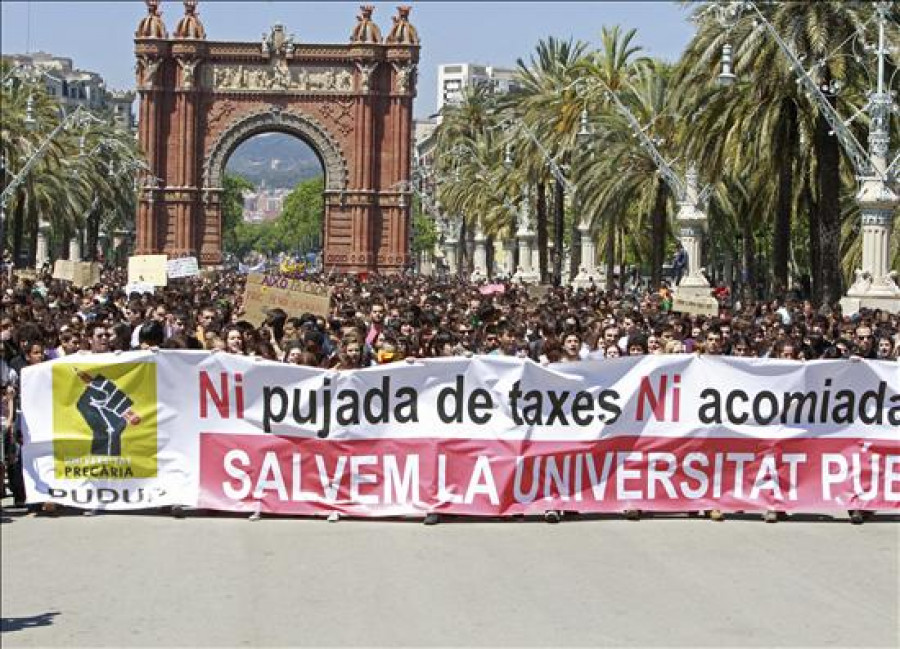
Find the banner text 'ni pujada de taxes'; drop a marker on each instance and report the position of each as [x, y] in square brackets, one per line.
[487, 435]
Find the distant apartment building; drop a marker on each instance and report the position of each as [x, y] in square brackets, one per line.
[72, 87]
[454, 78]
[263, 204]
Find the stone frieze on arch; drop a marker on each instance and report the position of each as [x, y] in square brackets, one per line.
[231, 77]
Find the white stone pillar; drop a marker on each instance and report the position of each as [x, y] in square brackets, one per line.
[450, 245]
[74, 249]
[692, 222]
[42, 254]
[526, 273]
[876, 284]
[480, 270]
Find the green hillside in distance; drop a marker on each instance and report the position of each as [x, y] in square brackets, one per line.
[279, 160]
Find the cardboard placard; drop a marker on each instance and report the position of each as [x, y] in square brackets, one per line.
[148, 268]
[87, 273]
[707, 306]
[64, 270]
[80, 273]
[182, 267]
[296, 297]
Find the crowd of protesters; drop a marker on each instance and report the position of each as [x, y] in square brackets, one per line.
[383, 319]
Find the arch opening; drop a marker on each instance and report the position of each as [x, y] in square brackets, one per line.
[273, 201]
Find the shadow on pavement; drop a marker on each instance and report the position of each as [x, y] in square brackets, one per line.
[8, 624]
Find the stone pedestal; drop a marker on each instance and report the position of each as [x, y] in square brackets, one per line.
[526, 273]
[450, 255]
[875, 286]
[509, 246]
[587, 272]
[42, 253]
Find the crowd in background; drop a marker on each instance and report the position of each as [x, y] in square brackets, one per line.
[384, 319]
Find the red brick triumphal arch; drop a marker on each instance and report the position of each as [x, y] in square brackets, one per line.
[352, 103]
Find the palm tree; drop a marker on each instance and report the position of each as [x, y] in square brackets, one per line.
[83, 175]
[614, 64]
[547, 109]
[626, 174]
[765, 118]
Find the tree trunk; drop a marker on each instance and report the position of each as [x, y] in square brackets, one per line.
[575, 238]
[33, 228]
[610, 257]
[749, 253]
[658, 235]
[784, 155]
[559, 214]
[513, 227]
[463, 247]
[18, 229]
[93, 234]
[815, 247]
[541, 226]
[828, 155]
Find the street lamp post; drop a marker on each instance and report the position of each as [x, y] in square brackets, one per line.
[875, 284]
[691, 215]
[562, 185]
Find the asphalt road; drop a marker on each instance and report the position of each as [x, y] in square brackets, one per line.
[149, 580]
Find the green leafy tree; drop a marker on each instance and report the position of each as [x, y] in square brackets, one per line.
[233, 234]
[300, 225]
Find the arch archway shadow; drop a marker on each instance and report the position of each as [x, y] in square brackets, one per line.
[11, 624]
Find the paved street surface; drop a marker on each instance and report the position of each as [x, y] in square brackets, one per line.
[149, 580]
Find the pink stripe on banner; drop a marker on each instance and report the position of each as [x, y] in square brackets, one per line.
[388, 477]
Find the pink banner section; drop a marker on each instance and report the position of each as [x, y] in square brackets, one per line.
[391, 477]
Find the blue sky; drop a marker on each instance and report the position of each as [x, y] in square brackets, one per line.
[99, 35]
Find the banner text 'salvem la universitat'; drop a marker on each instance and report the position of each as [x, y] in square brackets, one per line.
[488, 435]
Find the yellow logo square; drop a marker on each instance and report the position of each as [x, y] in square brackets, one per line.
[104, 421]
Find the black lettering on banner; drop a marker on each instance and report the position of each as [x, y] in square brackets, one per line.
[379, 397]
[757, 407]
[801, 399]
[609, 401]
[347, 413]
[271, 416]
[878, 397]
[514, 395]
[894, 412]
[733, 416]
[582, 405]
[557, 407]
[711, 412]
[843, 412]
[445, 412]
[480, 399]
[407, 408]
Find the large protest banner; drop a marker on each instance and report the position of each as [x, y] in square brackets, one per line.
[296, 297]
[486, 436]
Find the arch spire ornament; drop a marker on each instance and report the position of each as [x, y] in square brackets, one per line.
[403, 33]
[190, 27]
[366, 31]
[152, 25]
